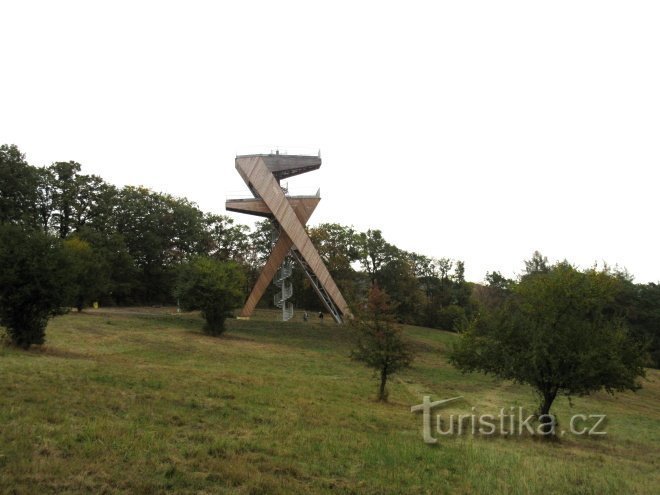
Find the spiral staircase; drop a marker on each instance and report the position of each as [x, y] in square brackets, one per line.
[280, 299]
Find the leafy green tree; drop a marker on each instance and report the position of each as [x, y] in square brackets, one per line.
[212, 286]
[45, 202]
[375, 252]
[558, 333]
[645, 318]
[498, 281]
[116, 264]
[18, 182]
[226, 240]
[65, 193]
[261, 242]
[95, 201]
[339, 247]
[493, 293]
[160, 232]
[450, 318]
[641, 305]
[379, 342]
[35, 283]
[397, 278]
[444, 268]
[536, 264]
[89, 272]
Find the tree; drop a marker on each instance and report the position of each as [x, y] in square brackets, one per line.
[212, 286]
[261, 242]
[641, 305]
[558, 331]
[498, 281]
[375, 251]
[116, 264]
[65, 193]
[536, 264]
[89, 271]
[338, 245]
[35, 283]
[160, 232]
[18, 182]
[494, 292]
[45, 202]
[94, 203]
[226, 240]
[397, 278]
[380, 344]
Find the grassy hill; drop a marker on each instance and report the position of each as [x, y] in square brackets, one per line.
[141, 401]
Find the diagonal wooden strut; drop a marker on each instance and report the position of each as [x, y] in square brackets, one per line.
[292, 215]
[275, 259]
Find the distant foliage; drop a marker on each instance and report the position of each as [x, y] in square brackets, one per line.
[35, 283]
[379, 341]
[212, 286]
[89, 272]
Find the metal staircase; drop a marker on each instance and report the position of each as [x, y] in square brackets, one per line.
[318, 287]
[280, 280]
[286, 290]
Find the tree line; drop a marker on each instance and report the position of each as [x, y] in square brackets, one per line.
[127, 246]
[132, 240]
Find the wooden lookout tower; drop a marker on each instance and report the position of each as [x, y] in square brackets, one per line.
[289, 214]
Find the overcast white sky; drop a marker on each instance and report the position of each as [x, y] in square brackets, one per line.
[473, 130]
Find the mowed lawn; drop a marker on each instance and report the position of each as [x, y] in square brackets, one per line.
[141, 401]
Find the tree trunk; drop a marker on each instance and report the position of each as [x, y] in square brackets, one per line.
[547, 427]
[382, 392]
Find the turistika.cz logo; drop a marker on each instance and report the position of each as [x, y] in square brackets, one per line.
[507, 422]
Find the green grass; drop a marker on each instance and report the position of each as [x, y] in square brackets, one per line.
[132, 402]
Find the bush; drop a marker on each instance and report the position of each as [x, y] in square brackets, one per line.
[35, 283]
[214, 287]
[451, 318]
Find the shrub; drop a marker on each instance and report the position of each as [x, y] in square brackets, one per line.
[451, 318]
[214, 287]
[35, 283]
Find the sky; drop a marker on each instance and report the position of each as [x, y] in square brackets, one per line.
[480, 131]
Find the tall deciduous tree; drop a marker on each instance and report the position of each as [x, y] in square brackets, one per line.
[18, 183]
[65, 195]
[339, 247]
[226, 240]
[375, 252]
[90, 272]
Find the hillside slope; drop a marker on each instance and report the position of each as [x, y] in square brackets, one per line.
[131, 402]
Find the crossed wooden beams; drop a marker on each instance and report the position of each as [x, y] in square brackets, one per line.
[262, 174]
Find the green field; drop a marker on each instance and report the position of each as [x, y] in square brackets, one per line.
[141, 401]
